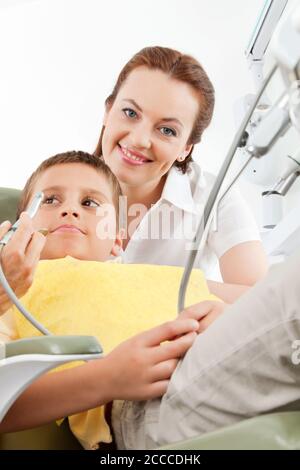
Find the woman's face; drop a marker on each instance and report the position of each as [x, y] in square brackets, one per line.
[148, 126]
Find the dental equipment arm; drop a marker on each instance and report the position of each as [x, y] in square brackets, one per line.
[261, 36]
[272, 199]
[278, 121]
[273, 126]
[286, 181]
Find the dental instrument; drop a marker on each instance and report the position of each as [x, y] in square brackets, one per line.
[32, 210]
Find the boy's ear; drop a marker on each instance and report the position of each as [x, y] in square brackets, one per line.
[117, 246]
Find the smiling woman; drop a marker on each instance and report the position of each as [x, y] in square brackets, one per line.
[158, 110]
[159, 123]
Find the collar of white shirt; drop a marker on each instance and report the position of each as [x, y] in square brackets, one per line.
[177, 190]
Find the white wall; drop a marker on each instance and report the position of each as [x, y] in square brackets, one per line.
[59, 60]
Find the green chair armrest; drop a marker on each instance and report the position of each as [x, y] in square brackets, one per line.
[55, 345]
[9, 200]
[47, 437]
[25, 360]
[266, 432]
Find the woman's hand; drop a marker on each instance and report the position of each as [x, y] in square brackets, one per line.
[19, 258]
[204, 312]
[140, 368]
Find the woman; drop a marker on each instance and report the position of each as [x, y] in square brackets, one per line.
[160, 105]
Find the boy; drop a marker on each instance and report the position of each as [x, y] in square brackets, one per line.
[76, 185]
[228, 374]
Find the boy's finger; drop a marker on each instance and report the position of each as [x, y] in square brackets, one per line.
[156, 389]
[23, 234]
[174, 349]
[203, 326]
[4, 228]
[206, 322]
[168, 331]
[35, 247]
[163, 370]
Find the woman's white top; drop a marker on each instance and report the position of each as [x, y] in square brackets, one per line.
[166, 232]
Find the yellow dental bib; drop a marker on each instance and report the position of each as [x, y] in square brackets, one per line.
[111, 301]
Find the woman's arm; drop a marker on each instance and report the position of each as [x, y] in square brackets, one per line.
[245, 264]
[228, 293]
[138, 369]
[241, 267]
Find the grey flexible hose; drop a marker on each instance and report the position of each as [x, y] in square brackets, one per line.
[16, 301]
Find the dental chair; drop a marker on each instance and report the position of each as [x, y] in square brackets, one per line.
[276, 431]
[37, 355]
[21, 362]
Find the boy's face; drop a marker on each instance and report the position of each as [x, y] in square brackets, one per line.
[72, 194]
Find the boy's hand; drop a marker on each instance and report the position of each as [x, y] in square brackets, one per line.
[19, 258]
[141, 366]
[204, 312]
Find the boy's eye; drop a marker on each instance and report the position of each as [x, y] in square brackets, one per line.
[49, 200]
[129, 113]
[90, 203]
[167, 131]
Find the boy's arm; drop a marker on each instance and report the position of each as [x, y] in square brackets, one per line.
[138, 369]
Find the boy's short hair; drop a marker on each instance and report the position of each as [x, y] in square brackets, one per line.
[73, 156]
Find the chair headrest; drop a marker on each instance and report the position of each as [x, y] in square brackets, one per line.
[9, 199]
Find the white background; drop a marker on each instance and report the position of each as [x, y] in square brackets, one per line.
[60, 59]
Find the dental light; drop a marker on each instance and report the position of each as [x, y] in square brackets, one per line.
[286, 51]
